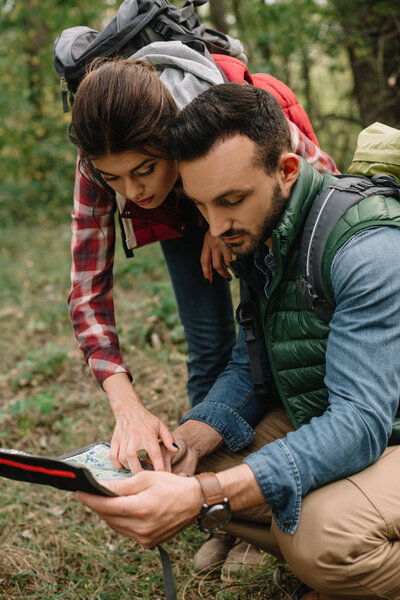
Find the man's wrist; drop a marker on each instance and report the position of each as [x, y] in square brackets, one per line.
[215, 513]
[240, 486]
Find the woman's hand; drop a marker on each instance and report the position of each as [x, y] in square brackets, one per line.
[136, 428]
[215, 254]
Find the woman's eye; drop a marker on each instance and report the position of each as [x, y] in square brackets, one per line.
[148, 172]
[107, 179]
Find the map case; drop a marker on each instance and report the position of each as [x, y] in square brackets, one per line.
[80, 470]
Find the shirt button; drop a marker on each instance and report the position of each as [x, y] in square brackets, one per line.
[127, 213]
[287, 524]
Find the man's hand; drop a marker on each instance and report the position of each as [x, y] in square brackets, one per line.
[135, 428]
[154, 506]
[151, 507]
[215, 254]
[195, 440]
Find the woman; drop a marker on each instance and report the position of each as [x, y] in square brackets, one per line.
[120, 122]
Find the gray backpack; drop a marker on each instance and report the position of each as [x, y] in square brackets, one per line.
[136, 24]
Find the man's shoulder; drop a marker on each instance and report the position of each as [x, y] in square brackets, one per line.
[368, 260]
[372, 242]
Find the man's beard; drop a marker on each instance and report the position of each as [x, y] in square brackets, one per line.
[269, 223]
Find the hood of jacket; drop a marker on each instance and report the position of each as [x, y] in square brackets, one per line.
[184, 71]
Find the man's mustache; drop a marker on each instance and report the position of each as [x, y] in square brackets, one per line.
[233, 233]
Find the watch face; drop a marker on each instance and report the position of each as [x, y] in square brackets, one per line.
[214, 517]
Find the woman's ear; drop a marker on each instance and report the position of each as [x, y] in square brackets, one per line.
[288, 171]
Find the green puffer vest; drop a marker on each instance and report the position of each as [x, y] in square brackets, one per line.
[296, 338]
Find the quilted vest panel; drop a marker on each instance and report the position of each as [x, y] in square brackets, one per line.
[296, 338]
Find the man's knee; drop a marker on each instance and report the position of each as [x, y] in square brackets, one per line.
[341, 546]
[315, 552]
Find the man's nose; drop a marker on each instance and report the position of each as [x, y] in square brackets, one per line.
[218, 221]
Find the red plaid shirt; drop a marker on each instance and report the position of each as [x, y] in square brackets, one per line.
[93, 241]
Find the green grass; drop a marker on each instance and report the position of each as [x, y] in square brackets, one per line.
[51, 546]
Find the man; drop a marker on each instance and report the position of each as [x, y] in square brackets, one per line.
[307, 471]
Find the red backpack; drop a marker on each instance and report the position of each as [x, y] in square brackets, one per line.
[236, 71]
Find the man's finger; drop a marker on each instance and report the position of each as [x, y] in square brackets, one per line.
[107, 507]
[125, 487]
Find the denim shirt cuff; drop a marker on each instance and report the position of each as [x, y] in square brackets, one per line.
[235, 431]
[279, 479]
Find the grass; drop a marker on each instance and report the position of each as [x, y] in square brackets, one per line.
[52, 547]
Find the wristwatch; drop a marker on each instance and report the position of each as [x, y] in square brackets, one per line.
[216, 511]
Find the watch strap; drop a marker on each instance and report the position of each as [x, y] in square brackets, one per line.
[211, 488]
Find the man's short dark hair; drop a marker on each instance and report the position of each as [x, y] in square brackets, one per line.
[224, 111]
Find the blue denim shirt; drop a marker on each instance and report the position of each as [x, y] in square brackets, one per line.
[362, 376]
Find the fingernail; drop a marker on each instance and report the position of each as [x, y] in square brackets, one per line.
[175, 445]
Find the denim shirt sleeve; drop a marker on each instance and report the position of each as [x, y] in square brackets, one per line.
[362, 376]
[231, 406]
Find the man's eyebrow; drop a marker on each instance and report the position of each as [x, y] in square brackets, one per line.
[139, 166]
[231, 192]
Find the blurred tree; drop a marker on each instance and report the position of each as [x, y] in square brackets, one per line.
[371, 35]
[36, 158]
[218, 15]
[341, 57]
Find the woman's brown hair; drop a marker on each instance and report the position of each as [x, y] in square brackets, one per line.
[121, 105]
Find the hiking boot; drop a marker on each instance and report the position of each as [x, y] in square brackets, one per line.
[240, 560]
[211, 555]
[284, 581]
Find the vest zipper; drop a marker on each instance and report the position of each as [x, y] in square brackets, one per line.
[274, 284]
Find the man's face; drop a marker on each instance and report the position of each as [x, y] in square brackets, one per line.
[240, 201]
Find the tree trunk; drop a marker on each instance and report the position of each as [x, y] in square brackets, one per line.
[305, 69]
[37, 37]
[218, 15]
[372, 40]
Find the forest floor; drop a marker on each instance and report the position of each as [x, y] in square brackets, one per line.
[52, 547]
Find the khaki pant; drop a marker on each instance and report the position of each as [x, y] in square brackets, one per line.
[347, 543]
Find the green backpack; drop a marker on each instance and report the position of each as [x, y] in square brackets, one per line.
[378, 151]
[375, 169]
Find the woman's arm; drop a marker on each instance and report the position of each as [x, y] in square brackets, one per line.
[92, 314]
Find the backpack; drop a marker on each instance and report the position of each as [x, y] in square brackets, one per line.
[377, 154]
[375, 169]
[136, 24]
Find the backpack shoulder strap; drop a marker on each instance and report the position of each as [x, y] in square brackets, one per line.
[327, 210]
[247, 317]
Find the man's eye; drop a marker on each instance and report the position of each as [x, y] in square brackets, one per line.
[148, 172]
[234, 202]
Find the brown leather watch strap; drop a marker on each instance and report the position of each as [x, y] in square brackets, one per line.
[211, 488]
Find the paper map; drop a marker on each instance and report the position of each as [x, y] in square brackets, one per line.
[97, 460]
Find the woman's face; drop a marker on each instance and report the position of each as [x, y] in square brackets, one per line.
[138, 177]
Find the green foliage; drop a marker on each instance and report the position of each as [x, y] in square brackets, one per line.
[44, 402]
[340, 57]
[36, 158]
[39, 365]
